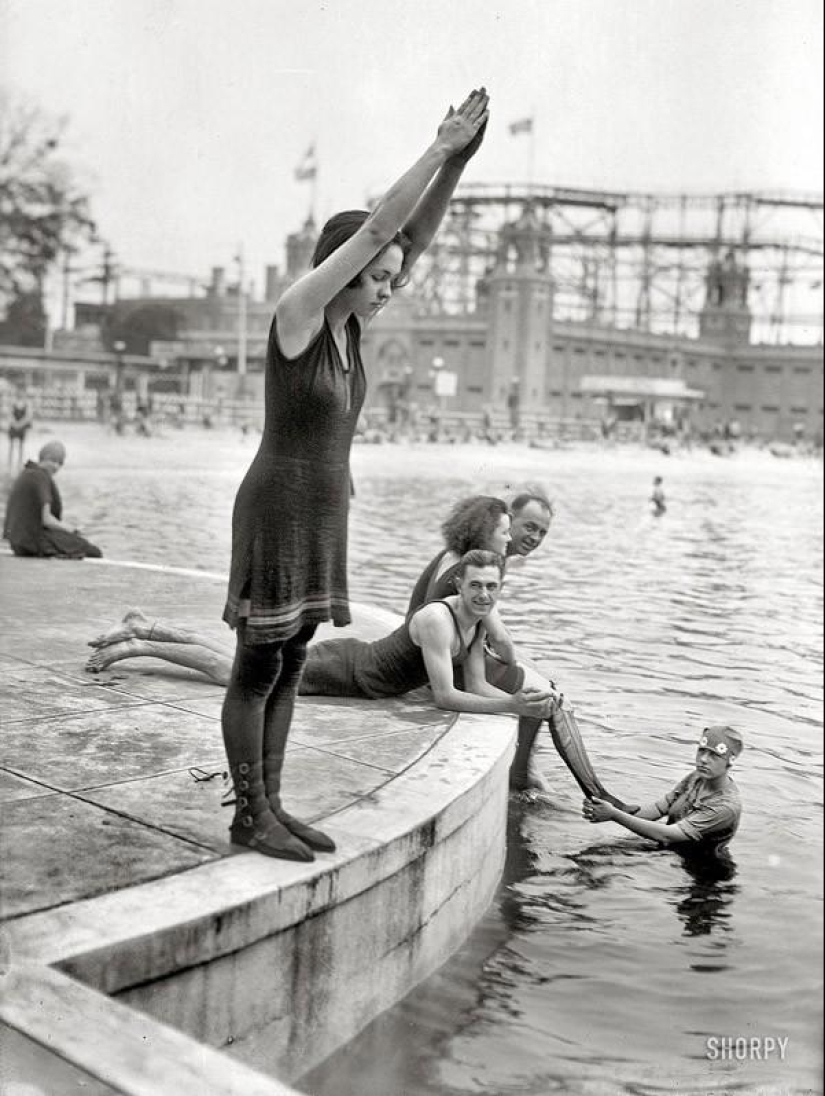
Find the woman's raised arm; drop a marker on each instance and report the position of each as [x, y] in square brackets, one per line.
[428, 214]
[300, 309]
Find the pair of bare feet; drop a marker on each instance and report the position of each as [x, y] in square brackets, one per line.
[134, 625]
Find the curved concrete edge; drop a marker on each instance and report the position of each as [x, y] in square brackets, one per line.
[284, 963]
[73, 1035]
[144, 932]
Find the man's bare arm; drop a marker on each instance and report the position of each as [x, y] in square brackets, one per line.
[433, 630]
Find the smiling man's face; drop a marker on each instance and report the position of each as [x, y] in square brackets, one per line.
[528, 528]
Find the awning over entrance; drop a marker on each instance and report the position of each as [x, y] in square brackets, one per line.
[628, 390]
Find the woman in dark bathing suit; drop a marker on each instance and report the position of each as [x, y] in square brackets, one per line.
[288, 570]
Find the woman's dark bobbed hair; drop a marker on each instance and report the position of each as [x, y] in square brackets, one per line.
[340, 228]
[472, 522]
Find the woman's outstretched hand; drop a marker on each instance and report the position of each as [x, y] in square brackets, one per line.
[465, 126]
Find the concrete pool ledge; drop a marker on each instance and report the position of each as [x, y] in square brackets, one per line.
[272, 963]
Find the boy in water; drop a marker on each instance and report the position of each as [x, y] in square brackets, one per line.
[701, 813]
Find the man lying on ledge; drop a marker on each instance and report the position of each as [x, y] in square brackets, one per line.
[425, 649]
[34, 511]
[438, 637]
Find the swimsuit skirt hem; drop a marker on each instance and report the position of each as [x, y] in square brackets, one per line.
[258, 632]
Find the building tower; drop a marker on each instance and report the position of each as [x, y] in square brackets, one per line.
[518, 296]
[725, 316]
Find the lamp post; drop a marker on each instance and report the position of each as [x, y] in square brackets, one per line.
[119, 347]
[514, 402]
[116, 398]
[438, 365]
[241, 312]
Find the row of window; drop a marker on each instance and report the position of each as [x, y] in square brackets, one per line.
[800, 370]
[620, 355]
[770, 407]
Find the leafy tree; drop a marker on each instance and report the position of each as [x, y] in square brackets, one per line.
[138, 325]
[25, 322]
[42, 209]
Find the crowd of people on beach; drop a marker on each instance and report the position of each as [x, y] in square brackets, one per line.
[288, 570]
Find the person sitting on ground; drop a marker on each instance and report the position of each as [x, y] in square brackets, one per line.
[33, 525]
[701, 813]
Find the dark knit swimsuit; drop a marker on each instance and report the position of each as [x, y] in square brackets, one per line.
[289, 523]
[390, 666]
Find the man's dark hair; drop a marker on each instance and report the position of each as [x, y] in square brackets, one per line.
[532, 494]
[479, 557]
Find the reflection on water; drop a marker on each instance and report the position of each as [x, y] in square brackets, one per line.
[605, 963]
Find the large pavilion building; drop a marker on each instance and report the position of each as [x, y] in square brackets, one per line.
[505, 353]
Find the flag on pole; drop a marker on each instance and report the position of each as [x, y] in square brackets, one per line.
[307, 168]
[523, 125]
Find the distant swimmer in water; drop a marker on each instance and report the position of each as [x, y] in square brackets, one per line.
[657, 498]
[701, 813]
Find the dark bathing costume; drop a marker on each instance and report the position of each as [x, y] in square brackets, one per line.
[18, 427]
[390, 666]
[33, 489]
[289, 523]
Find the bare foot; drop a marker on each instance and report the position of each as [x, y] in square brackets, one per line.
[113, 652]
[126, 629]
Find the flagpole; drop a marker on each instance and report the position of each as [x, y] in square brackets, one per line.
[314, 196]
[241, 313]
[532, 169]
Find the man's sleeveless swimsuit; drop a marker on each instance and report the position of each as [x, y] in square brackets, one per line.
[390, 666]
[505, 676]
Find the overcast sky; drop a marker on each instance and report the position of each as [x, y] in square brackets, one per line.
[189, 117]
